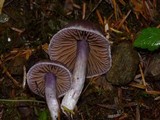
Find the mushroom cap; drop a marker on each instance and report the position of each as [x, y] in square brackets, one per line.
[63, 47]
[36, 75]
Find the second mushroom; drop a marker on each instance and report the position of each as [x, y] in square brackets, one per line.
[50, 80]
[82, 47]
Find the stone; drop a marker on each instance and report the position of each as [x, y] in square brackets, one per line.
[125, 61]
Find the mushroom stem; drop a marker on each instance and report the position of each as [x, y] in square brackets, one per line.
[50, 94]
[70, 99]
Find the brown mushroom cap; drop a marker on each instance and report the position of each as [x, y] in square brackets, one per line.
[63, 47]
[36, 75]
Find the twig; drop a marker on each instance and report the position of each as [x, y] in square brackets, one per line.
[137, 85]
[99, 17]
[114, 106]
[146, 85]
[84, 10]
[9, 100]
[106, 28]
[99, 2]
[137, 113]
[1, 112]
[1, 5]
[114, 115]
[7, 3]
[142, 75]
[24, 77]
[15, 82]
[87, 85]
[116, 9]
[82, 118]
[124, 19]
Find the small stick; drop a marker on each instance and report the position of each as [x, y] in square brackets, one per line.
[114, 106]
[7, 3]
[9, 100]
[15, 82]
[24, 77]
[99, 2]
[147, 86]
[143, 79]
[124, 19]
[99, 17]
[137, 113]
[84, 10]
[1, 6]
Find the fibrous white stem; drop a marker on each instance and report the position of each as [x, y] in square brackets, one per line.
[70, 99]
[50, 94]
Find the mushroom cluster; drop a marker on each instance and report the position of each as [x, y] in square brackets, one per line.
[83, 48]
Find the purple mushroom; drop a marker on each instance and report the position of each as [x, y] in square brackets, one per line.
[50, 80]
[83, 48]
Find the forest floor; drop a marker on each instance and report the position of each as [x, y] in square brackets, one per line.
[26, 27]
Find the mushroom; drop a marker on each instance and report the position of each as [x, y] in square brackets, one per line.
[82, 47]
[50, 80]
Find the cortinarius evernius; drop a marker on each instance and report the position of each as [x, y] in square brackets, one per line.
[83, 48]
[49, 80]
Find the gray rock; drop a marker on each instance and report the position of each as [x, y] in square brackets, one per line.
[125, 62]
